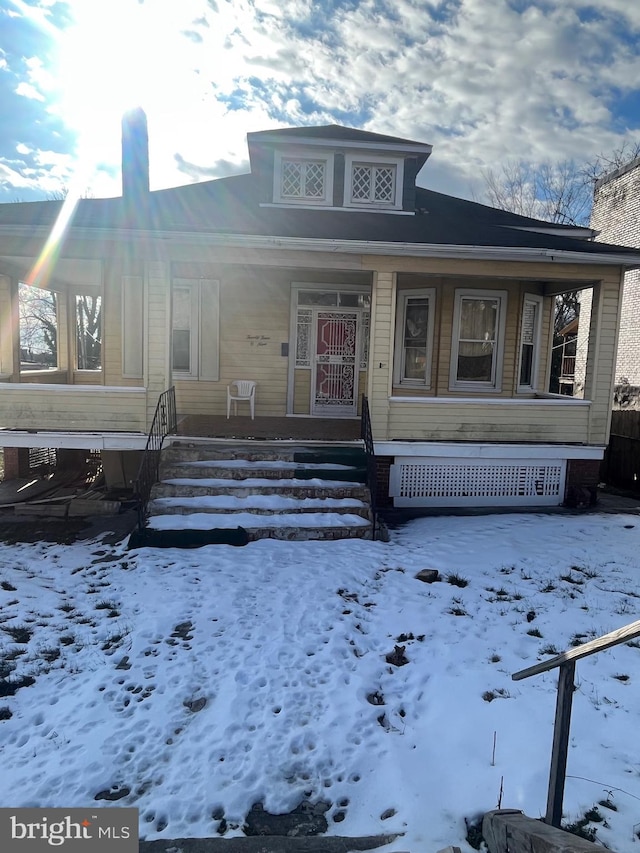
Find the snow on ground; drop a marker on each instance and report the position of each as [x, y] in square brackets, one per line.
[204, 681]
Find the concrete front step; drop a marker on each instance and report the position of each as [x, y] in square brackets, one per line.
[322, 526]
[291, 488]
[252, 491]
[266, 470]
[259, 504]
[349, 454]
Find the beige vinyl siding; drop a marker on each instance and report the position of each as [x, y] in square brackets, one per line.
[157, 338]
[71, 407]
[543, 422]
[254, 322]
[381, 351]
[302, 391]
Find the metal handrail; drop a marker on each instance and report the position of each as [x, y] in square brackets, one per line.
[366, 434]
[164, 423]
[566, 662]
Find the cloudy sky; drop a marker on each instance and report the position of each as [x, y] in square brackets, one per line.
[483, 81]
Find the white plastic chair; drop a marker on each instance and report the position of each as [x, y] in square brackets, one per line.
[245, 389]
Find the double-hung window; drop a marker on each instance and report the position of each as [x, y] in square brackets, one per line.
[478, 340]
[529, 342]
[414, 338]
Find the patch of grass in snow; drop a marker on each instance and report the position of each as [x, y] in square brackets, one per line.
[457, 580]
[495, 658]
[588, 573]
[112, 642]
[581, 827]
[5, 713]
[622, 678]
[569, 578]
[474, 837]
[549, 650]
[534, 632]
[7, 586]
[548, 587]
[633, 644]
[18, 633]
[608, 804]
[579, 639]
[111, 606]
[499, 693]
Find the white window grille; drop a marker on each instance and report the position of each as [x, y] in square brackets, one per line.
[303, 337]
[466, 482]
[303, 179]
[373, 184]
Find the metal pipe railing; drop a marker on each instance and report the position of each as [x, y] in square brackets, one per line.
[165, 422]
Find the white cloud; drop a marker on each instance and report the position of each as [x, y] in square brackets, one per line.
[479, 80]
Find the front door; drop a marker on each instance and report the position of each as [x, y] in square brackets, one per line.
[334, 382]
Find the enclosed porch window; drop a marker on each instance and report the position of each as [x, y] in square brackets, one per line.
[88, 323]
[478, 339]
[38, 309]
[414, 338]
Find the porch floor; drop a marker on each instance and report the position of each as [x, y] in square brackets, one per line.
[270, 429]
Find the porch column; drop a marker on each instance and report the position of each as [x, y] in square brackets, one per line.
[601, 354]
[157, 332]
[9, 329]
[379, 380]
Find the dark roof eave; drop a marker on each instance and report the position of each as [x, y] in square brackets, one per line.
[628, 260]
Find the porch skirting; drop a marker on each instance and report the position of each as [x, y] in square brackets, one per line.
[473, 475]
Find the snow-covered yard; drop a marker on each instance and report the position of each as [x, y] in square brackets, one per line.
[193, 684]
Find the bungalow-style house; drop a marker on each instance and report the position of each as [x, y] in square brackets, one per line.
[323, 275]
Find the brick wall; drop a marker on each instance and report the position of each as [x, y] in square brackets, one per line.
[583, 476]
[383, 470]
[616, 215]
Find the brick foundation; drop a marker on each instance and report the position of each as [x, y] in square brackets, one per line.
[383, 471]
[581, 488]
[16, 462]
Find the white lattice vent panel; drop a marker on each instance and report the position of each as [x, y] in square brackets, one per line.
[468, 482]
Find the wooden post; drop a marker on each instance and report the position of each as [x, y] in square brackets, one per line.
[560, 744]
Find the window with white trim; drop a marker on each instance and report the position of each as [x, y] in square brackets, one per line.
[477, 344]
[195, 328]
[414, 338]
[373, 182]
[301, 179]
[529, 342]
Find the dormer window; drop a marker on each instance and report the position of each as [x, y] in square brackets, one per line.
[373, 184]
[303, 179]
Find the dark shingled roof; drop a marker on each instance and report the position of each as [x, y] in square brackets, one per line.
[230, 205]
[335, 133]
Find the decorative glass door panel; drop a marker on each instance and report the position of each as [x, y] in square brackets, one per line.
[334, 387]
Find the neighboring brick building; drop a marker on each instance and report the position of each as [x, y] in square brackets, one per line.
[616, 216]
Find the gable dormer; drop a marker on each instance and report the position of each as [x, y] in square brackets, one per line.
[334, 167]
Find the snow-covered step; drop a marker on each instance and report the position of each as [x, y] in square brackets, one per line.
[310, 492]
[286, 487]
[286, 526]
[258, 503]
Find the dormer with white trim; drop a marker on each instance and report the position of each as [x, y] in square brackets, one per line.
[336, 168]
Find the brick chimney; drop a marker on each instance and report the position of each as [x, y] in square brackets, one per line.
[135, 156]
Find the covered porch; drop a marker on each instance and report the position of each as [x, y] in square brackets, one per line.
[270, 428]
